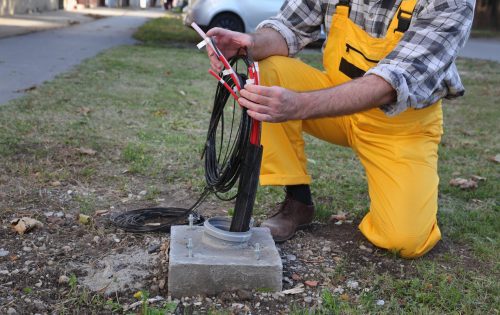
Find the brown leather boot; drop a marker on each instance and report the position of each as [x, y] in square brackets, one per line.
[291, 216]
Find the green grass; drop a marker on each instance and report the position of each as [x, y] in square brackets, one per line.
[148, 135]
[167, 30]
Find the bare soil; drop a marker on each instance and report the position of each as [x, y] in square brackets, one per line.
[32, 279]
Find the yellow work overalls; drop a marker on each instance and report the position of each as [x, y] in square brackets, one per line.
[399, 153]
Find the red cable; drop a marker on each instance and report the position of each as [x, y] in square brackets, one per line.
[215, 75]
[255, 132]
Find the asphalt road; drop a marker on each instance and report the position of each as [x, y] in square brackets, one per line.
[29, 60]
[480, 48]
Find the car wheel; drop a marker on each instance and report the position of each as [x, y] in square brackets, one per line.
[228, 20]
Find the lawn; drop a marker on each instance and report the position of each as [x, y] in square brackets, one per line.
[132, 122]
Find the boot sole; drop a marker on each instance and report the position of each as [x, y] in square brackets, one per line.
[286, 238]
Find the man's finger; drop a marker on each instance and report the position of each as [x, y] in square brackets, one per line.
[214, 31]
[215, 63]
[259, 116]
[253, 106]
[254, 97]
[259, 89]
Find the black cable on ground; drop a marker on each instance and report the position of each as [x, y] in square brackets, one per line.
[224, 153]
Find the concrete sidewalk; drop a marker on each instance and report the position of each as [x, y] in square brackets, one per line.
[31, 59]
[28, 23]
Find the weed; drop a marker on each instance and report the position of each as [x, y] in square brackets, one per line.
[73, 282]
[86, 203]
[152, 193]
[137, 158]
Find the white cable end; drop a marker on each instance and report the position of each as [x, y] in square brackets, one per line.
[227, 72]
[257, 71]
[201, 44]
[250, 81]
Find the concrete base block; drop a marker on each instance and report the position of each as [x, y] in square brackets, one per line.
[217, 267]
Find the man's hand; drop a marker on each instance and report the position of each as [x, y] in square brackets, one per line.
[229, 43]
[277, 104]
[271, 104]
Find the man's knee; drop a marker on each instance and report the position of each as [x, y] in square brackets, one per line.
[406, 245]
[412, 245]
[406, 240]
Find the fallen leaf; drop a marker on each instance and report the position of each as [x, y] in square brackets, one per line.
[478, 178]
[366, 249]
[55, 220]
[161, 113]
[55, 183]
[181, 92]
[311, 161]
[311, 283]
[296, 277]
[86, 151]
[138, 294]
[84, 111]
[83, 218]
[101, 212]
[495, 158]
[463, 183]
[165, 246]
[298, 289]
[341, 216]
[25, 224]
[136, 304]
[344, 297]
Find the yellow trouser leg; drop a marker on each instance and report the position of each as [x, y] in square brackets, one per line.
[284, 161]
[400, 158]
[399, 155]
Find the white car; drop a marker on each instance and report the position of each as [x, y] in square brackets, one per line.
[236, 15]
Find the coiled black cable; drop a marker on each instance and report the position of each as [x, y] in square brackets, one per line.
[224, 153]
[223, 157]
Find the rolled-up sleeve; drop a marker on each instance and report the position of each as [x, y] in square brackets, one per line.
[421, 68]
[299, 22]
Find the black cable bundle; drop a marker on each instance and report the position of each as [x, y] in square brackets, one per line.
[224, 156]
[223, 162]
[157, 219]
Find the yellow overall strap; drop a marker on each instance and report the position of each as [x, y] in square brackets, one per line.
[401, 21]
[343, 8]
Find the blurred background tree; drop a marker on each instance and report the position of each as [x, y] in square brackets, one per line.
[487, 15]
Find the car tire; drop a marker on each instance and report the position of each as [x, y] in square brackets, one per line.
[229, 21]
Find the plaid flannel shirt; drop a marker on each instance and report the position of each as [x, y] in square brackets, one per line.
[421, 68]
